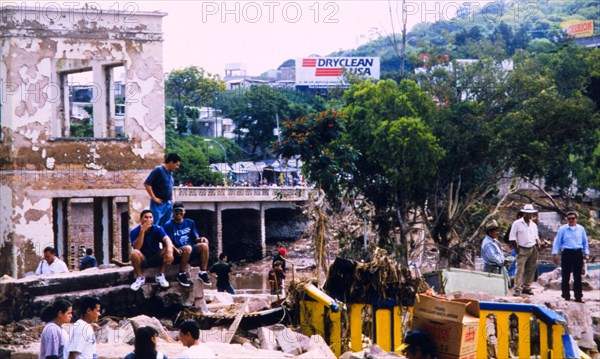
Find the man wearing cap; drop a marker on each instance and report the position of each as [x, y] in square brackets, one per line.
[187, 243]
[571, 241]
[524, 238]
[280, 256]
[491, 249]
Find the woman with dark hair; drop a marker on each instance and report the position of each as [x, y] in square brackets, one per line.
[145, 345]
[53, 338]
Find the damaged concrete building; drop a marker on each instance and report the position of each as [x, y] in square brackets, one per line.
[67, 181]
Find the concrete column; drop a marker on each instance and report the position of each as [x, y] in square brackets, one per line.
[263, 234]
[219, 220]
[100, 96]
[106, 226]
[60, 229]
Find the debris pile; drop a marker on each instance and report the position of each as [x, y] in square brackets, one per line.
[381, 278]
[115, 339]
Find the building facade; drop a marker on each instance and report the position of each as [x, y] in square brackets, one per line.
[63, 184]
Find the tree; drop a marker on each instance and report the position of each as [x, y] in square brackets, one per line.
[387, 124]
[195, 154]
[380, 148]
[191, 86]
[470, 97]
[256, 113]
[556, 137]
[326, 160]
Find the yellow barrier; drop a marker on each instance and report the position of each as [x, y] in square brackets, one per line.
[384, 324]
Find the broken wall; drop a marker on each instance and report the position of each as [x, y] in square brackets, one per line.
[44, 168]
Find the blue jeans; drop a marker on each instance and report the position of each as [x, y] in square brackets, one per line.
[161, 212]
[225, 288]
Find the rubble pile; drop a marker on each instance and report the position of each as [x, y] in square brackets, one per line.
[115, 339]
[26, 297]
[21, 332]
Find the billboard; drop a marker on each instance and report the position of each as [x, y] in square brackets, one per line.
[329, 71]
[578, 28]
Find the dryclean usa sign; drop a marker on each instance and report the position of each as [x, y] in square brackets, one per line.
[330, 71]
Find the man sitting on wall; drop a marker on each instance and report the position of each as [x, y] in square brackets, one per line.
[146, 239]
[51, 263]
[188, 244]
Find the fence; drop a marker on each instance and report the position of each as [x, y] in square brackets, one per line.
[520, 330]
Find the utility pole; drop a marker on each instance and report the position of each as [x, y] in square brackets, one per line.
[278, 133]
[403, 50]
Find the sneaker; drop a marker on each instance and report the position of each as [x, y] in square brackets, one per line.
[139, 281]
[160, 279]
[517, 293]
[182, 279]
[204, 278]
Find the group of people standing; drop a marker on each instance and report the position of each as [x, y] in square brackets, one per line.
[523, 239]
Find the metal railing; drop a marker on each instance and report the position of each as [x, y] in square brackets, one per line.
[385, 325]
[241, 194]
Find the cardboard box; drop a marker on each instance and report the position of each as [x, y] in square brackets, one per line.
[452, 324]
[448, 356]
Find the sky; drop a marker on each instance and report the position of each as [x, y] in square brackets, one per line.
[262, 34]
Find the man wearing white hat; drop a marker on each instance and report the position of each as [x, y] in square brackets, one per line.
[524, 236]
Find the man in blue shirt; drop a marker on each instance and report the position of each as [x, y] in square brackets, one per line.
[188, 244]
[571, 241]
[491, 249]
[147, 252]
[159, 185]
[89, 261]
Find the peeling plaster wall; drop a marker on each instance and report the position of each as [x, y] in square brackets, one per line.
[37, 164]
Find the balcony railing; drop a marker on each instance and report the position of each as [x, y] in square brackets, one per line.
[241, 194]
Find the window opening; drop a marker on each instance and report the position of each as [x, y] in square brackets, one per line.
[94, 101]
[81, 104]
[119, 97]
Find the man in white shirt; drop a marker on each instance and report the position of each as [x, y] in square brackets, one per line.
[524, 238]
[189, 334]
[51, 263]
[82, 342]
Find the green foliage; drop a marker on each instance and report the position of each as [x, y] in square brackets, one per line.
[193, 151]
[496, 30]
[550, 123]
[540, 120]
[316, 139]
[387, 124]
[256, 111]
[83, 129]
[192, 87]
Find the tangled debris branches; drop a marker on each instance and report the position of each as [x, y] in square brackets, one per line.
[380, 279]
